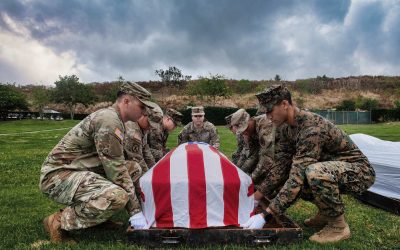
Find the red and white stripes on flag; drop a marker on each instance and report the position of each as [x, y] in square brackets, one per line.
[196, 186]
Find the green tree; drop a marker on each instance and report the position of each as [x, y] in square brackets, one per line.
[243, 86]
[172, 76]
[397, 104]
[70, 91]
[41, 97]
[11, 100]
[367, 103]
[211, 86]
[347, 105]
[277, 78]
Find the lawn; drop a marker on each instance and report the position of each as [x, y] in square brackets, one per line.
[23, 206]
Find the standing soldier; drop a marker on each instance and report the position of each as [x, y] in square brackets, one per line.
[259, 134]
[87, 170]
[162, 125]
[199, 130]
[326, 163]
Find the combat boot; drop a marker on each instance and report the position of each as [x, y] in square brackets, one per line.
[337, 229]
[110, 225]
[318, 221]
[52, 225]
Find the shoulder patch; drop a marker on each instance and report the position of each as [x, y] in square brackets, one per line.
[119, 134]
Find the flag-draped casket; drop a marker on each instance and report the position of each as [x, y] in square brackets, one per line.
[196, 186]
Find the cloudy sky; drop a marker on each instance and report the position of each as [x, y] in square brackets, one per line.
[100, 40]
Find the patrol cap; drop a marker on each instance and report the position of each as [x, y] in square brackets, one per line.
[199, 110]
[154, 115]
[175, 115]
[271, 96]
[134, 89]
[240, 119]
[228, 120]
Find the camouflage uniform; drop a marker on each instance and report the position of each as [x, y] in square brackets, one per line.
[87, 171]
[158, 136]
[240, 154]
[260, 144]
[207, 133]
[325, 162]
[136, 147]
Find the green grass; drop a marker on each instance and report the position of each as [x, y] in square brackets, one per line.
[22, 206]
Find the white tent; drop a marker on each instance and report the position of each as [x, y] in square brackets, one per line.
[385, 157]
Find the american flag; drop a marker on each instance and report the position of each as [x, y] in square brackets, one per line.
[196, 186]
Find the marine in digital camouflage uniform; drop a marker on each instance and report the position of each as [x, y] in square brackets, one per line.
[87, 171]
[240, 152]
[325, 164]
[199, 130]
[163, 124]
[259, 134]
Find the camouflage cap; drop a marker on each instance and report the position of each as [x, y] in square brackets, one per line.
[240, 119]
[271, 96]
[134, 89]
[175, 116]
[199, 110]
[228, 120]
[155, 116]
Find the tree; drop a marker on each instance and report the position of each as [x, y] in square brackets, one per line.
[243, 86]
[11, 100]
[397, 104]
[172, 76]
[212, 86]
[277, 78]
[41, 97]
[347, 105]
[367, 103]
[70, 91]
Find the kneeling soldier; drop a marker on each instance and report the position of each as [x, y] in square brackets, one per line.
[326, 163]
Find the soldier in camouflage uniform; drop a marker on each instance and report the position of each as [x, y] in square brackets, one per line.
[136, 146]
[258, 133]
[240, 153]
[199, 130]
[162, 125]
[87, 170]
[325, 164]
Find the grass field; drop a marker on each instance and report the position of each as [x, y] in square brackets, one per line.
[22, 206]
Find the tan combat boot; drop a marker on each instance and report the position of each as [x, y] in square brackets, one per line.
[52, 225]
[318, 221]
[337, 229]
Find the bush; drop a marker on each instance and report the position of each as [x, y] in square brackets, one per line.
[397, 104]
[367, 103]
[347, 105]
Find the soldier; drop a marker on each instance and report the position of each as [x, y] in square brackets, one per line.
[258, 133]
[241, 151]
[136, 146]
[87, 170]
[199, 130]
[326, 163]
[162, 125]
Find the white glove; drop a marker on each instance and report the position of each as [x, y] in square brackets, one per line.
[255, 222]
[138, 221]
[256, 202]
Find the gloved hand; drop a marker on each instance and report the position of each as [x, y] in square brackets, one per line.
[138, 221]
[255, 222]
[256, 202]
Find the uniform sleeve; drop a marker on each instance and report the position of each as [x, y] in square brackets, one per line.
[183, 136]
[108, 140]
[238, 152]
[214, 137]
[147, 155]
[308, 151]
[250, 162]
[155, 141]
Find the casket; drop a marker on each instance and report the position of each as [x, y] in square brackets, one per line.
[195, 196]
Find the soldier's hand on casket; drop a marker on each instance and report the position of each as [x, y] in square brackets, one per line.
[255, 222]
[138, 221]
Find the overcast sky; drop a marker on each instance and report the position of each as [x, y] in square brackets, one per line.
[100, 40]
